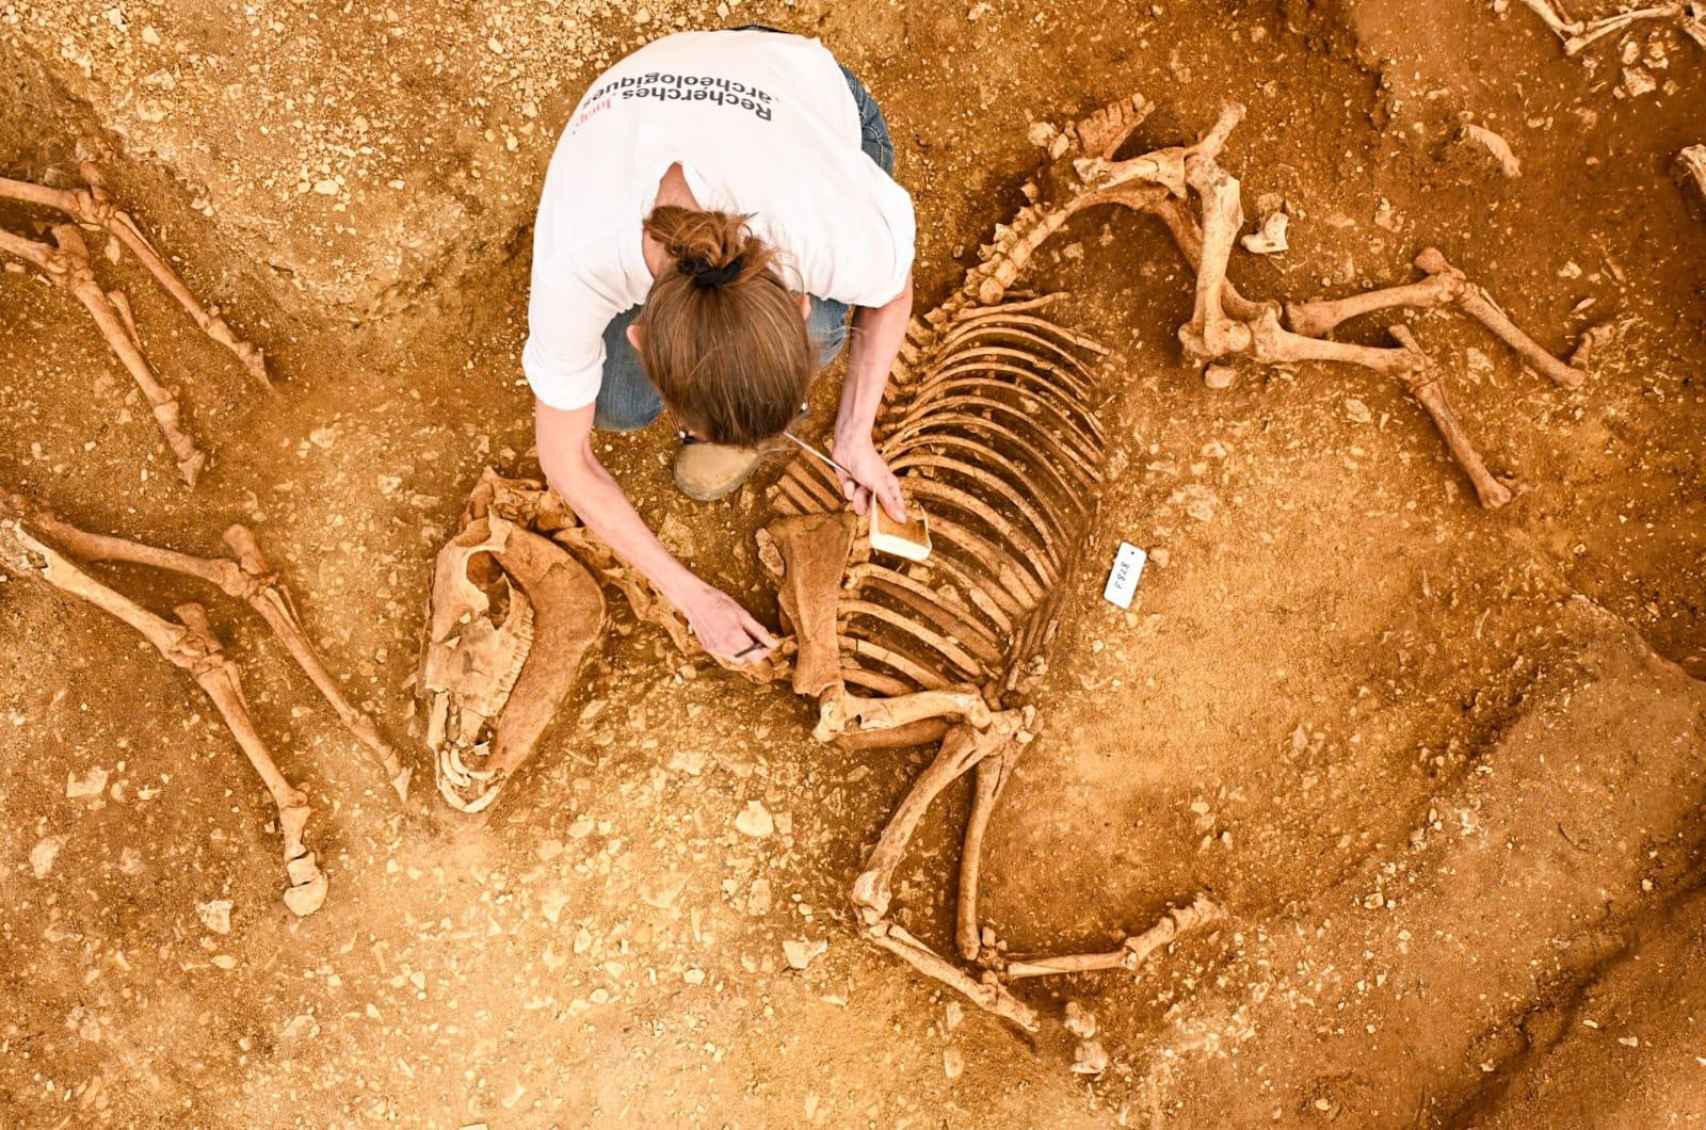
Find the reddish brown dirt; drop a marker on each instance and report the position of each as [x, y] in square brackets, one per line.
[1442, 767]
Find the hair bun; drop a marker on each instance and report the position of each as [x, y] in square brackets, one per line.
[704, 274]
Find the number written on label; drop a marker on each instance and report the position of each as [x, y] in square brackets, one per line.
[1127, 571]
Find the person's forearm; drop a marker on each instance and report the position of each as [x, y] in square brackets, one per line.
[600, 503]
[877, 334]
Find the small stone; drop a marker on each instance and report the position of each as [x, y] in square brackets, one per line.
[953, 1062]
[955, 1015]
[326, 187]
[1089, 1058]
[215, 915]
[1219, 376]
[1358, 411]
[689, 761]
[754, 820]
[43, 855]
[800, 954]
[92, 783]
[1160, 556]
[758, 898]
[150, 36]
[224, 961]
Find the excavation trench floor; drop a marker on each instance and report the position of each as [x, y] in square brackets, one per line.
[1443, 768]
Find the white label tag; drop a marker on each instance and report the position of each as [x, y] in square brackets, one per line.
[1128, 570]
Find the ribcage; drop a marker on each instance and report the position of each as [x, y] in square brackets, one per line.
[991, 427]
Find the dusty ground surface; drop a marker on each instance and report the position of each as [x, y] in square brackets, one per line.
[1442, 767]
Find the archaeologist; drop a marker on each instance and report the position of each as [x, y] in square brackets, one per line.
[717, 204]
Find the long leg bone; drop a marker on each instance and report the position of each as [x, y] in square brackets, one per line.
[1427, 387]
[1478, 304]
[992, 777]
[988, 993]
[962, 748]
[842, 711]
[68, 267]
[1132, 953]
[1445, 285]
[191, 645]
[93, 206]
[249, 578]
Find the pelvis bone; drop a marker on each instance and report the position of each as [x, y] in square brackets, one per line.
[512, 617]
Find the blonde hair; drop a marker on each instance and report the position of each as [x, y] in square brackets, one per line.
[723, 338]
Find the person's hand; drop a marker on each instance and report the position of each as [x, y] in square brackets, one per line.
[725, 629]
[871, 477]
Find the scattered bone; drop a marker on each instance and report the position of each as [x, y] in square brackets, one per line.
[215, 915]
[90, 784]
[1219, 376]
[953, 1062]
[1492, 143]
[1638, 81]
[1269, 238]
[67, 264]
[1080, 1021]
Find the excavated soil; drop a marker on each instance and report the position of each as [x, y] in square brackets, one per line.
[1442, 767]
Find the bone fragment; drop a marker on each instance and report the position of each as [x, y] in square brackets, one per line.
[1493, 144]
[1269, 236]
[1133, 952]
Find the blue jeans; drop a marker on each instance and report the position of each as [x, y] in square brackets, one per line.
[627, 399]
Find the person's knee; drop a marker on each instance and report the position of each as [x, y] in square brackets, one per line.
[625, 414]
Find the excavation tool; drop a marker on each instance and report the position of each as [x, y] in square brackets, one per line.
[909, 539]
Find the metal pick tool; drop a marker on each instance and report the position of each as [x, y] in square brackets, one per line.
[804, 446]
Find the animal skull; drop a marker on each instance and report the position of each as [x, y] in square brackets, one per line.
[474, 655]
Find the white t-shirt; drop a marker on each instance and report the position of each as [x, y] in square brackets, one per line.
[761, 123]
